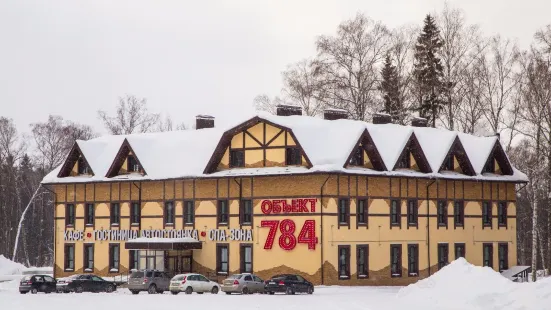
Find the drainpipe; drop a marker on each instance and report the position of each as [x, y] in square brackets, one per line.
[428, 223]
[321, 227]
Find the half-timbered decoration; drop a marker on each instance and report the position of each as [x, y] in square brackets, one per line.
[337, 201]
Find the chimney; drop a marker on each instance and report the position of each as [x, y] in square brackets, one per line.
[334, 114]
[204, 121]
[288, 110]
[382, 118]
[419, 122]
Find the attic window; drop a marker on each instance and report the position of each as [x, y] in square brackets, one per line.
[237, 158]
[490, 166]
[449, 164]
[293, 156]
[82, 166]
[357, 158]
[133, 165]
[405, 161]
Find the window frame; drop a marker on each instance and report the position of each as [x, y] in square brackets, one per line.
[449, 163]
[398, 214]
[132, 163]
[86, 259]
[491, 258]
[399, 265]
[404, 162]
[67, 259]
[416, 260]
[169, 216]
[357, 158]
[441, 247]
[189, 217]
[89, 219]
[112, 260]
[415, 215]
[70, 218]
[362, 211]
[134, 215]
[113, 216]
[442, 214]
[133, 259]
[346, 214]
[460, 245]
[242, 263]
[222, 215]
[291, 153]
[237, 161]
[365, 273]
[500, 247]
[486, 214]
[243, 214]
[219, 261]
[346, 275]
[502, 214]
[82, 167]
[458, 211]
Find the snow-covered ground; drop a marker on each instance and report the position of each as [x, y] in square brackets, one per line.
[458, 286]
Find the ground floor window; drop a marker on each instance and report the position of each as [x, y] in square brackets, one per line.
[88, 257]
[443, 257]
[69, 257]
[503, 253]
[459, 250]
[114, 257]
[151, 260]
[222, 258]
[246, 257]
[413, 260]
[396, 260]
[362, 259]
[133, 259]
[488, 255]
[344, 261]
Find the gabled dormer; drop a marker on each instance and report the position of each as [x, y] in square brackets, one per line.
[257, 143]
[412, 157]
[365, 154]
[457, 160]
[497, 162]
[126, 162]
[75, 164]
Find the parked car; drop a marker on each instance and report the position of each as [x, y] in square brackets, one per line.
[244, 283]
[152, 281]
[37, 283]
[193, 282]
[85, 283]
[288, 284]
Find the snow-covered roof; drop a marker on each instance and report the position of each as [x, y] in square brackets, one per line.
[163, 240]
[514, 271]
[326, 143]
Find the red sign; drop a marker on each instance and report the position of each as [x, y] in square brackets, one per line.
[281, 206]
[287, 239]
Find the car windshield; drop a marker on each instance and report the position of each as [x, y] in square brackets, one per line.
[26, 278]
[75, 276]
[235, 276]
[136, 274]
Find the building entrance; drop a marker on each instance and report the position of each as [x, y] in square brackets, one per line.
[178, 262]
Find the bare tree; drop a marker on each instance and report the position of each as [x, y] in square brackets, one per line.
[264, 103]
[132, 116]
[302, 87]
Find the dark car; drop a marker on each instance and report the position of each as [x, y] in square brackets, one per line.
[85, 283]
[37, 283]
[288, 284]
[152, 281]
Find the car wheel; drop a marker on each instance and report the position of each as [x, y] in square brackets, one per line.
[271, 293]
[310, 290]
[79, 289]
[66, 291]
[152, 289]
[34, 291]
[228, 293]
[23, 292]
[109, 289]
[189, 290]
[289, 291]
[174, 292]
[214, 290]
[135, 292]
[200, 293]
[245, 291]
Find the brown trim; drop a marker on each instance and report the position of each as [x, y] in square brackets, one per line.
[365, 247]
[400, 265]
[275, 137]
[85, 258]
[71, 160]
[409, 247]
[123, 152]
[65, 257]
[252, 137]
[242, 247]
[347, 271]
[367, 145]
[499, 155]
[457, 150]
[414, 147]
[219, 246]
[456, 246]
[111, 267]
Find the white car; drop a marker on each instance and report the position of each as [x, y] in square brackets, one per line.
[192, 282]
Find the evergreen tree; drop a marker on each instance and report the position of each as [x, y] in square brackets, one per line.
[390, 90]
[428, 71]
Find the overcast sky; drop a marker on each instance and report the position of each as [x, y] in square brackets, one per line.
[72, 58]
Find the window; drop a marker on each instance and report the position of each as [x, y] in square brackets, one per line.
[405, 161]
[412, 212]
[490, 166]
[487, 255]
[246, 256]
[486, 214]
[82, 166]
[502, 214]
[223, 213]
[114, 257]
[115, 214]
[357, 158]
[442, 255]
[459, 250]
[503, 253]
[69, 257]
[70, 215]
[89, 214]
[246, 212]
[293, 156]
[134, 257]
[344, 214]
[396, 260]
[222, 258]
[344, 261]
[189, 212]
[442, 213]
[169, 213]
[135, 213]
[459, 213]
[361, 211]
[413, 260]
[394, 212]
[132, 164]
[362, 260]
[237, 158]
[88, 257]
[449, 164]
[248, 278]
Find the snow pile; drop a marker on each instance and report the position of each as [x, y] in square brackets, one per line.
[461, 285]
[9, 267]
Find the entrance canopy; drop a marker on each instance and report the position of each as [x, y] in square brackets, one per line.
[163, 244]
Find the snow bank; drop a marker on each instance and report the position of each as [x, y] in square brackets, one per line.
[461, 285]
[9, 267]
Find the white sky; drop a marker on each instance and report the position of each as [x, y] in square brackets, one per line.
[72, 58]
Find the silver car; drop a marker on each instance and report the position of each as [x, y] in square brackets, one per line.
[152, 281]
[244, 283]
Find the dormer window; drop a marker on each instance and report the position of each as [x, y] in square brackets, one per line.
[490, 166]
[133, 165]
[405, 161]
[358, 157]
[237, 158]
[449, 164]
[293, 156]
[82, 166]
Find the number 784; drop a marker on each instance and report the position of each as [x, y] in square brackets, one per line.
[287, 239]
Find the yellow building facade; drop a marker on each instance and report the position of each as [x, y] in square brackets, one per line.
[264, 202]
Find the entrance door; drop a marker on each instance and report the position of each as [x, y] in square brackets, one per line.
[185, 264]
[178, 265]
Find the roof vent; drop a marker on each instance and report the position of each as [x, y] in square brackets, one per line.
[419, 122]
[288, 110]
[382, 118]
[334, 114]
[204, 121]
